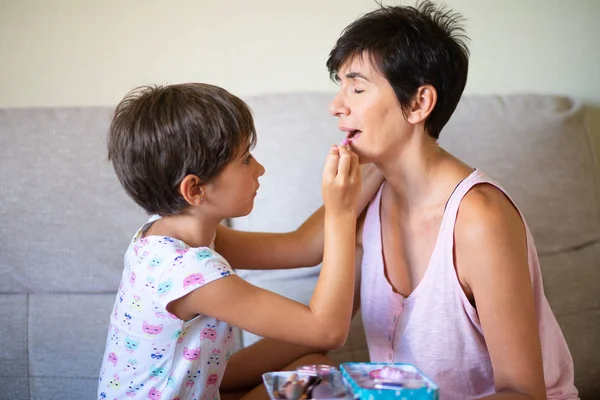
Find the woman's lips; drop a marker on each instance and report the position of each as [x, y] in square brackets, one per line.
[351, 137]
[355, 135]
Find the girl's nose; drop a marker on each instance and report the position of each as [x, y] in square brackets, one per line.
[261, 169]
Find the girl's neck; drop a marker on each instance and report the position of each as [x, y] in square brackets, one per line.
[191, 229]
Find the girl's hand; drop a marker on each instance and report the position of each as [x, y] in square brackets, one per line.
[341, 181]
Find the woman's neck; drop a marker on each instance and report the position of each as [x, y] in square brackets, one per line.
[415, 173]
[191, 229]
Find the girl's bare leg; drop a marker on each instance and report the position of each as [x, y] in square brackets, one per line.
[243, 376]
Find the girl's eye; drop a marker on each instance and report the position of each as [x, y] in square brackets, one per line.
[247, 159]
[358, 91]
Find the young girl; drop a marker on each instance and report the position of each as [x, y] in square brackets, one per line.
[182, 153]
[451, 281]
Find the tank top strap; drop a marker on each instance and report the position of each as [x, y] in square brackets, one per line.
[450, 213]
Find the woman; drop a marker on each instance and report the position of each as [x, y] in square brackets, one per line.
[450, 276]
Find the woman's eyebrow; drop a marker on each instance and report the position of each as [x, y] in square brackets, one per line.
[355, 75]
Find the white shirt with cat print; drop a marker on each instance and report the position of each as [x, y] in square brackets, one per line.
[150, 353]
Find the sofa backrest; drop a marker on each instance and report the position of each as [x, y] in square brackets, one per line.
[65, 221]
[67, 215]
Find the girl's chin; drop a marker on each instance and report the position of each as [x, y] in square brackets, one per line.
[244, 213]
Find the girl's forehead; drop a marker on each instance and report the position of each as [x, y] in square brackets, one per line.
[244, 147]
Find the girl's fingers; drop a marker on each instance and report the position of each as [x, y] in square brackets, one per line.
[343, 169]
[331, 163]
[354, 165]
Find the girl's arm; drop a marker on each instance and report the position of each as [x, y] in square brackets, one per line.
[300, 248]
[358, 257]
[245, 367]
[492, 261]
[325, 322]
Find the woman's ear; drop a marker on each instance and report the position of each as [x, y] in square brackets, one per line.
[192, 190]
[423, 104]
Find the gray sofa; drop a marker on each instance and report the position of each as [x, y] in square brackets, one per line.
[65, 223]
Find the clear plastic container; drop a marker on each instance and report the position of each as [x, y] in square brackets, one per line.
[275, 380]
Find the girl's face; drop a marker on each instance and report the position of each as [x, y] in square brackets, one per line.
[232, 192]
[368, 111]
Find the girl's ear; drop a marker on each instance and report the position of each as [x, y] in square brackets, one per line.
[192, 190]
[423, 104]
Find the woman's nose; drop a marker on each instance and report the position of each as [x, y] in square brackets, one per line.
[337, 106]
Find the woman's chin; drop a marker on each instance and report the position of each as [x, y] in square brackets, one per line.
[362, 157]
[365, 157]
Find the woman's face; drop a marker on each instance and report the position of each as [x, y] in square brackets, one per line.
[368, 111]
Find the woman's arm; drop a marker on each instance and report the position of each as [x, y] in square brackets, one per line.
[492, 261]
[300, 248]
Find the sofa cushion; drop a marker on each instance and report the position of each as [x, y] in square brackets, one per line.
[294, 133]
[571, 279]
[535, 146]
[14, 387]
[13, 331]
[67, 334]
[582, 332]
[571, 284]
[65, 220]
[61, 388]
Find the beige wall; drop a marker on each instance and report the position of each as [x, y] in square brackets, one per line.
[90, 52]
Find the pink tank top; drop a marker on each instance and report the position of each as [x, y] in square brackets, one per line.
[436, 328]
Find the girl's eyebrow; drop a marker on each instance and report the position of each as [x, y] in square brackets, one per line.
[245, 151]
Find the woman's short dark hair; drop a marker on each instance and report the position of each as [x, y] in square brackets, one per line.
[411, 47]
[160, 134]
